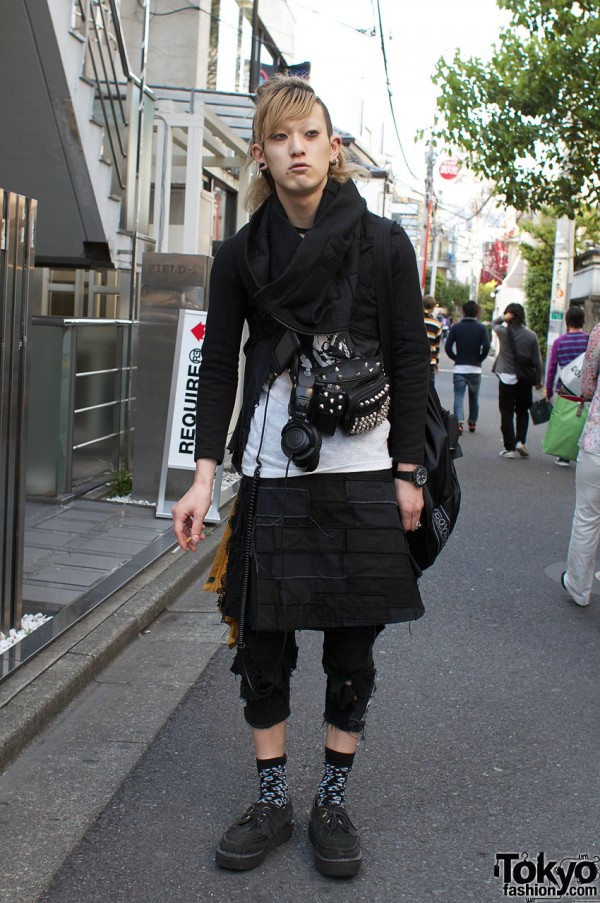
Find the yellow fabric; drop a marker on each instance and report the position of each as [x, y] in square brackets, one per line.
[234, 631]
[213, 581]
[219, 565]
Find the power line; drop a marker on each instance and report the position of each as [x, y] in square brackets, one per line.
[389, 91]
[319, 12]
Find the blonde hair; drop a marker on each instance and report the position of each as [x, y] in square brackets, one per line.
[290, 97]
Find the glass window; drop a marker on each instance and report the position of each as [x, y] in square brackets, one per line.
[230, 45]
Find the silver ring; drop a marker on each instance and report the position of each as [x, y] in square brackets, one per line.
[418, 524]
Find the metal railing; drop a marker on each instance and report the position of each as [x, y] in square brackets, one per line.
[106, 65]
[81, 381]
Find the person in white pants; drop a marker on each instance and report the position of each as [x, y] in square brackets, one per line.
[577, 580]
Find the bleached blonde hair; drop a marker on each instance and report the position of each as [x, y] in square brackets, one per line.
[290, 97]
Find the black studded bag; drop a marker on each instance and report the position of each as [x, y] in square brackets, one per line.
[355, 393]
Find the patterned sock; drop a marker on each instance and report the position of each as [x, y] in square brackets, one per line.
[273, 781]
[332, 788]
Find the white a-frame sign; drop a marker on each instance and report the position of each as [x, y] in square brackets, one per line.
[178, 452]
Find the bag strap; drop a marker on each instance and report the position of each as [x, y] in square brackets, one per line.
[513, 344]
[384, 290]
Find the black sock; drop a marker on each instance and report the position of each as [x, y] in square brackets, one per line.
[273, 781]
[332, 788]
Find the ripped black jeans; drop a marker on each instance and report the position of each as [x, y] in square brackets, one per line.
[266, 663]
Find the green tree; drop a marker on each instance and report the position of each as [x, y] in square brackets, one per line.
[587, 229]
[527, 119]
[486, 299]
[539, 255]
[451, 295]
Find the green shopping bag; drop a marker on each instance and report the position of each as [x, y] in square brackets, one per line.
[565, 427]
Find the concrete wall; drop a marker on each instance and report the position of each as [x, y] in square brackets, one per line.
[178, 44]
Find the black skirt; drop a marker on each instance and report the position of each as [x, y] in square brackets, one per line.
[326, 551]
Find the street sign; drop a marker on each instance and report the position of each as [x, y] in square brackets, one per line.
[448, 168]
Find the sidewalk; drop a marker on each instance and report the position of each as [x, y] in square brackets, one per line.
[70, 548]
[103, 571]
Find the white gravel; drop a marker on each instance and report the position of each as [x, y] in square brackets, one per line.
[127, 500]
[29, 623]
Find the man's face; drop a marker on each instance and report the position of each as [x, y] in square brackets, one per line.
[298, 155]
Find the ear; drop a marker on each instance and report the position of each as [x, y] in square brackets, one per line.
[335, 144]
[258, 156]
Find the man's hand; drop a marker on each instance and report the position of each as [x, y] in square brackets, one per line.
[410, 502]
[189, 512]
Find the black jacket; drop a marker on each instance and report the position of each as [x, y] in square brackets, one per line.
[270, 278]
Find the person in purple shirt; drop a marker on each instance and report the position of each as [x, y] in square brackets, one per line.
[564, 350]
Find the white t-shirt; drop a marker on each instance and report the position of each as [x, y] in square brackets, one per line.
[466, 368]
[340, 453]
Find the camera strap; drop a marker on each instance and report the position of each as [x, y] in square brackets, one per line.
[302, 391]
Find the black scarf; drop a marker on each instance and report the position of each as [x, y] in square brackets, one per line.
[307, 284]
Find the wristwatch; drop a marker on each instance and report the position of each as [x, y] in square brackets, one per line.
[418, 476]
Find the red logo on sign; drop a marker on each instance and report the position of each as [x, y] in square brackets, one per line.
[448, 169]
[198, 331]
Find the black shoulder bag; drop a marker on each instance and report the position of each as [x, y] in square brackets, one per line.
[442, 491]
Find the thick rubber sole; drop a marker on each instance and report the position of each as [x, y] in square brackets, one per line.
[335, 868]
[242, 862]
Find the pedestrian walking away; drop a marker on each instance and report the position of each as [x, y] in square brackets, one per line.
[434, 333]
[578, 579]
[518, 366]
[566, 348]
[330, 448]
[468, 345]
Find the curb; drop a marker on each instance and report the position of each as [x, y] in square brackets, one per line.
[41, 688]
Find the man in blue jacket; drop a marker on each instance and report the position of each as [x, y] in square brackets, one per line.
[468, 344]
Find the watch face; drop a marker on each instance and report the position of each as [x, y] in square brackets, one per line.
[420, 476]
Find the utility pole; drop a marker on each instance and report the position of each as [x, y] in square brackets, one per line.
[434, 259]
[425, 224]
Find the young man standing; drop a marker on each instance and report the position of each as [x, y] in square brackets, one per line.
[468, 345]
[514, 391]
[328, 487]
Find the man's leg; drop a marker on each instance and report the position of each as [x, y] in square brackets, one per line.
[265, 666]
[523, 399]
[348, 663]
[506, 403]
[473, 384]
[460, 385]
[269, 742]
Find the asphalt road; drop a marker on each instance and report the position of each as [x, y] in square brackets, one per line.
[482, 738]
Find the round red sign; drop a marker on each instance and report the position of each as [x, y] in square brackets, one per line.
[448, 168]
